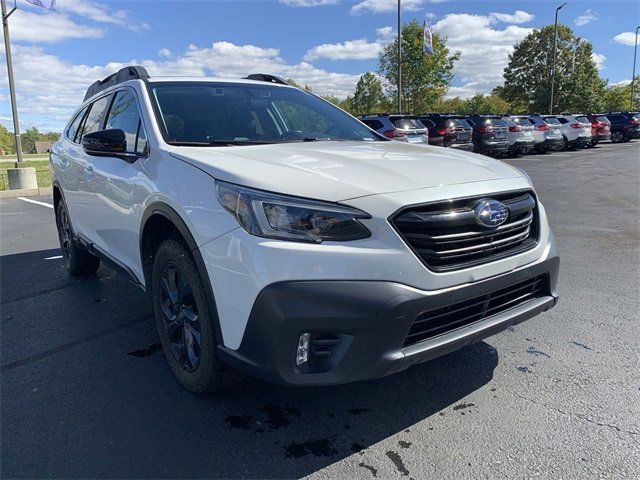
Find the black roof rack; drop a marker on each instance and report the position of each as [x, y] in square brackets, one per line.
[265, 77]
[122, 75]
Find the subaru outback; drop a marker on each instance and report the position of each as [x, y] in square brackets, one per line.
[276, 235]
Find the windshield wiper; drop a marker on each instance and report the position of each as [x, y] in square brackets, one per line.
[217, 143]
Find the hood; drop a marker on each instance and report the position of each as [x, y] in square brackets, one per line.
[336, 171]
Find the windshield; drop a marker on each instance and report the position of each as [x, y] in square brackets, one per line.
[207, 113]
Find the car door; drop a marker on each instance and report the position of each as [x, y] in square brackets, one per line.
[68, 167]
[115, 226]
[81, 195]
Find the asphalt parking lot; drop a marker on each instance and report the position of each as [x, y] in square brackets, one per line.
[85, 391]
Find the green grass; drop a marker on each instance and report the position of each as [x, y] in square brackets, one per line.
[42, 172]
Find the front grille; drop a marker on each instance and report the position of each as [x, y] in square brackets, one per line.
[446, 319]
[447, 235]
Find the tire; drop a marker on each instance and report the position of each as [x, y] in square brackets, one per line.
[185, 321]
[617, 136]
[79, 261]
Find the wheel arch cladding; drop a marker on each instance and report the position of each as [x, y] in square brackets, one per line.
[160, 222]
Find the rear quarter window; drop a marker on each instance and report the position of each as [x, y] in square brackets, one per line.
[74, 126]
[374, 124]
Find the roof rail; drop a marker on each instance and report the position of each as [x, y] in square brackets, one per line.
[122, 75]
[265, 77]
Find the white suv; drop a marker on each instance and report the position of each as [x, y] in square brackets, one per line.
[277, 235]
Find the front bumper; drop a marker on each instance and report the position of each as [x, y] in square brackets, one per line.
[371, 320]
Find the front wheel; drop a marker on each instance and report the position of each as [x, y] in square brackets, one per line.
[185, 321]
[79, 261]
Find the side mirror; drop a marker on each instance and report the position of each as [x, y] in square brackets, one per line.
[108, 143]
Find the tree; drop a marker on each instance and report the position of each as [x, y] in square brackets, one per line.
[492, 104]
[7, 142]
[368, 95]
[527, 77]
[425, 78]
[29, 138]
[618, 97]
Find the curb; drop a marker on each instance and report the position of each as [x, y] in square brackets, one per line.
[25, 192]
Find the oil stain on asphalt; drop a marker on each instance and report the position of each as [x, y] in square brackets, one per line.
[318, 448]
[146, 351]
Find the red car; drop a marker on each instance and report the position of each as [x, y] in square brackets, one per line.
[600, 128]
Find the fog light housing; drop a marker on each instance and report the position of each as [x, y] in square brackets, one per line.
[302, 354]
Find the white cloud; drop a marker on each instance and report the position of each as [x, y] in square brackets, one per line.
[598, 59]
[99, 12]
[165, 53]
[384, 6]
[359, 49]
[27, 26]
[586, 18]
[484, 50]
[50, 99]
[621, 83]
[308, 3]
[516, 17]
[385, 33]
[625, 38]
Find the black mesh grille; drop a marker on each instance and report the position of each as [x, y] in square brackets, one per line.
[447, 235]
[446, 319]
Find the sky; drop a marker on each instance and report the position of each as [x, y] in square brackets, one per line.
[326, 44]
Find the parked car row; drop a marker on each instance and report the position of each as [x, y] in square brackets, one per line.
[508, 135]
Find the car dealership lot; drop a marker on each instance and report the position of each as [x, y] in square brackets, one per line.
[86, 393]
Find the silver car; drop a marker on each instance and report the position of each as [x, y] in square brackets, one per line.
[576, 133]
[520, 135]
[546, 132]
[403, 128]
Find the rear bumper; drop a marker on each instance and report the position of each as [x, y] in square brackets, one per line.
[466, 146]
[367, 323]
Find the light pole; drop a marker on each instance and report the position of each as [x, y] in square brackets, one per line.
[633, 77]
[399, 60]
[553, 69]
[12, 87]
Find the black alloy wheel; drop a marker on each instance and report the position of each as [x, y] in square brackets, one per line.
[617, 136]
[64, 231]
[180, 317]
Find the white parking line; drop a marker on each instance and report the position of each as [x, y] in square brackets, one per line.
[48, 205]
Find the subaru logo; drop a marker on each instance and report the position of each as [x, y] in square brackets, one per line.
[491, 213]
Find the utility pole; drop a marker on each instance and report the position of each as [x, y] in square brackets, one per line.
[633, 77]
[555, 44]
[12, 86]
[399, 59]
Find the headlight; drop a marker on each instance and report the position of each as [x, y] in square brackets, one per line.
[289, 218]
